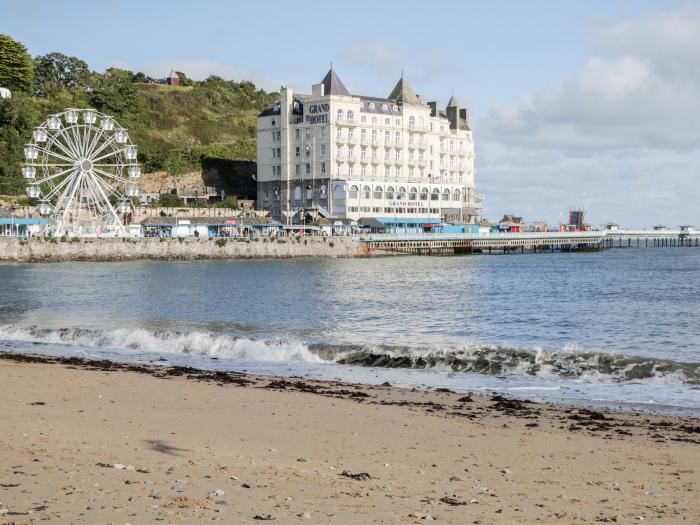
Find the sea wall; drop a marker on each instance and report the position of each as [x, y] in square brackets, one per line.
[37, 249]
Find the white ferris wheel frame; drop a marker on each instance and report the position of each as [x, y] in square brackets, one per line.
[81, 168]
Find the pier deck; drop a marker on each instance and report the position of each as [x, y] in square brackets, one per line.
[453, 243]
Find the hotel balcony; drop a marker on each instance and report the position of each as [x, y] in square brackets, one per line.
[351, 157]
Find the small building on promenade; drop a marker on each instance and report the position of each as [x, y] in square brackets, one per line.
[21, 226]
[392, 159]
[212, 227]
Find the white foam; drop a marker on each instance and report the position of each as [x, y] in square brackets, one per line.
[192, 343]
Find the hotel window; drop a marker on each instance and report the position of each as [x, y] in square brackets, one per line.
[350, 169]
[452, 145]
[363, 119]
[412, 194]
[339, 134]
[274, 135]
[297, 151]
[424, 194]
[363, 134]
[378, 192]
[387, 121]
[398, 137]
[398, 121]
[351, 116]
[273, 122]
[410, 156]
[363, 170]
[323, 150]
[323, 168]
[340, 115]
[374, 135]
[431, 164]
[411, 172]
[366, 192]
[353, 192]
[435, 195]
[387, 137]
[308, 168]
[350, 134]
[307, 133]
[279, 153]
[421, 122]
[374, 171]
[274, 153]
[446, 195]
[363, 153]
[398, 154]
[387, 172]
[410, 139]
[456, 196]
[297, 170]
[323, 132]
[374, 120]
[376, 210]
[297, 193]
[385, 107]
[397, 172]
[297, 134]
[401, 194]
[390, 193]
[431, 149]
[411, 122]
[370, 105]
[387, 152]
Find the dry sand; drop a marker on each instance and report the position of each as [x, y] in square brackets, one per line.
[228, 447]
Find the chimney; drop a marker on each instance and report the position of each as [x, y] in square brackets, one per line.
[317, 90]
[464, 115]
[433, 109]
[453, 116]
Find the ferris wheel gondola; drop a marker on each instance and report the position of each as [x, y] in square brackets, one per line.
[82, 168]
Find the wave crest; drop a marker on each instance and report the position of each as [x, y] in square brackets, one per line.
[501, 361]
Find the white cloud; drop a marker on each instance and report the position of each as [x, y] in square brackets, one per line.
[621, 136]
[374, 56]
[646, 97]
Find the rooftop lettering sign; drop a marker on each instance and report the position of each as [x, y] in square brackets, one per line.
[318, 114]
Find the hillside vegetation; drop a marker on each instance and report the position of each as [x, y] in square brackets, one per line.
[177, 129]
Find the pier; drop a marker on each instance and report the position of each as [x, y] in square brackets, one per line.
[465, 243]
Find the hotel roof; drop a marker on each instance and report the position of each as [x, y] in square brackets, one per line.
[332, 85]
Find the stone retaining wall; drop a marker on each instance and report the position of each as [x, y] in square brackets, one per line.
[38, 249]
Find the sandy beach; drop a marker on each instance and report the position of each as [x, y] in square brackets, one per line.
[94, 442]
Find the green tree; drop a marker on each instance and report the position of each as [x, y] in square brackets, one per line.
[15, 65]
[18, 116]
[184, 79]
[115, 91]
[57, 71]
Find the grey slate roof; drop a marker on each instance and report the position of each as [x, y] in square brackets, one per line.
[332, 85]
[403, 93]
[452, 102]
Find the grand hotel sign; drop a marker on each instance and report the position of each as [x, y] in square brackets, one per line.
[318, 114]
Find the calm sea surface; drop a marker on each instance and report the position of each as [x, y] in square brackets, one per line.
[618, 328]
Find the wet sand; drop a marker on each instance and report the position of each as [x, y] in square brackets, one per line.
[97, 442]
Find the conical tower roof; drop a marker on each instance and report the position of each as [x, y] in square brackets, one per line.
[452, 102]
[403, 93]
[332, 85]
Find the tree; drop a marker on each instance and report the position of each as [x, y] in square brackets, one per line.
[18, 116]
[184, 79]
[57, 71]
[15, 65]
[115, 91]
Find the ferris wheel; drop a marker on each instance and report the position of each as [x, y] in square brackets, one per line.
[81, 167]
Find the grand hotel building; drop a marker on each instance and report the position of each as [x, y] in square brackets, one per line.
[382, 161]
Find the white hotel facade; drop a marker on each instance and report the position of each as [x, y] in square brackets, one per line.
[380, 161]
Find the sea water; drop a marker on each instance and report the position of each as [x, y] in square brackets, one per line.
[619, 328]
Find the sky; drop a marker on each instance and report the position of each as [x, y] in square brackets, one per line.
[592, 103]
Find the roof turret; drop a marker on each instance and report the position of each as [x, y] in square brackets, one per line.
[332, 85]
[403, 93]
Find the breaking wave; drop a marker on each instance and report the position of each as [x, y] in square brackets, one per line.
[500, 361]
